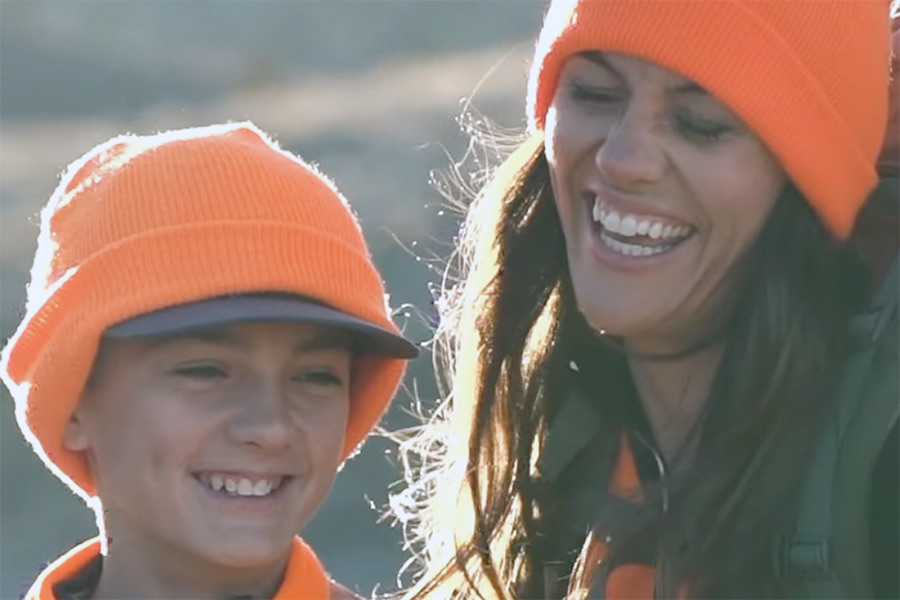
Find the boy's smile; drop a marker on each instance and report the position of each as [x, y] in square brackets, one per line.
[212, 449]
[241, 484]
[205, 312]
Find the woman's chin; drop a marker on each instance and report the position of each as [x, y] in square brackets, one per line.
[614, 321]
[634, 335]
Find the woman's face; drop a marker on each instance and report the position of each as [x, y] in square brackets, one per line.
[660, 189]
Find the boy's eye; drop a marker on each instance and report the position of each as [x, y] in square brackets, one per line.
[581, 92]
[699, 129]
[321, 377]
[204, 371]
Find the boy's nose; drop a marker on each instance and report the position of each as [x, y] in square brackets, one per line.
[263, 420]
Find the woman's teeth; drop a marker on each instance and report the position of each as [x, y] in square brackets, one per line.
[240, 486]
[634, 249]
[628, 225]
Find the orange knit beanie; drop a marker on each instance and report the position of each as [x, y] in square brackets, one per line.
[810, 77]
[141, 223]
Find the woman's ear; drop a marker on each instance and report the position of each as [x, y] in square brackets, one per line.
[75, 436]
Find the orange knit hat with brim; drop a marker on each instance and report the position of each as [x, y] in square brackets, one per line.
[140, 225]
[810, 77]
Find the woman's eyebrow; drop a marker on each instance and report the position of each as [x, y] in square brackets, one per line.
[689, 87]
[599, 58]
[684, 87]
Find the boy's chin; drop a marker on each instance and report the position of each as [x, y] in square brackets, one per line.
[248, 554]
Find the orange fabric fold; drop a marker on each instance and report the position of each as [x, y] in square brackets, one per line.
[626, 581]
[305, 578]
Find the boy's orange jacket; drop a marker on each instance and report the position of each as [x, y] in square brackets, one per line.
[305, 578]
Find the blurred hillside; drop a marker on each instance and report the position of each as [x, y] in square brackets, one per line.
[370, 90]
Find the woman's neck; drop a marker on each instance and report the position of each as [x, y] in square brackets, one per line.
[673, 393]
[144, 569]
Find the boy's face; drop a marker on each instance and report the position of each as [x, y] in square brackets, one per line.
[216, 445]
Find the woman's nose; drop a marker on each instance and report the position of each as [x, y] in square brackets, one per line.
[631, 154]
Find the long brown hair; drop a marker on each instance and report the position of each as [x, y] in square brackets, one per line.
[475, 507]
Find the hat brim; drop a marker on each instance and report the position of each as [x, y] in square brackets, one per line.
[225, 310]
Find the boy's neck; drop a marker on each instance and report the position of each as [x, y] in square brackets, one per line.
[148, 570]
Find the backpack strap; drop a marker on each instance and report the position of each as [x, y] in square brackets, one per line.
[571, 430]
[865, 432]
[576, 455]
[828, 548]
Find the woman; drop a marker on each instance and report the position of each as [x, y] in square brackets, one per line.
[655, 306]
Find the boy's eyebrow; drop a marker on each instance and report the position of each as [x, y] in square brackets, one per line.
[218, 336]
[326, 339]
[685, 87]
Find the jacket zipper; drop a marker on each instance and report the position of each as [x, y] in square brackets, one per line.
[659, 574]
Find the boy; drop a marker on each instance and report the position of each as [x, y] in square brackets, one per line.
[206, 340]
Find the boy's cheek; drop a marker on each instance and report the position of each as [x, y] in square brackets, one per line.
[329, 442]
[75, 437]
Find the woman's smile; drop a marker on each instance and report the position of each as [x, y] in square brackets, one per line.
[656, 211]
[628, 237]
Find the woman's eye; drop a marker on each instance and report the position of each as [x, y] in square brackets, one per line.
[200, 371]
[594, 95]
[699, 129]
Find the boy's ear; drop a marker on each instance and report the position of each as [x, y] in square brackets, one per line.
[75, 436]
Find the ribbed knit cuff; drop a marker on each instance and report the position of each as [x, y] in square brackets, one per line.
[735, 55]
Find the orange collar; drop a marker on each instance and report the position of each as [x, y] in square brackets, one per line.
[625, 581]
[305, 578]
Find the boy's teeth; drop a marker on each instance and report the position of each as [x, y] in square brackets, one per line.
[628, 225]
[241, 486]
